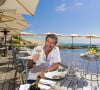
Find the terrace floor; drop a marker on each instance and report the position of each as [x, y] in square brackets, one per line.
[7, 74]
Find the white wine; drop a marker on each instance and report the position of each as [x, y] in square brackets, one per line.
[38, 51]
[35, 85]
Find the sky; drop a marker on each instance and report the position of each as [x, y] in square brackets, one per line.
[65, 17]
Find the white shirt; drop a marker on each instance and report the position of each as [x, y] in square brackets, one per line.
[43, 63]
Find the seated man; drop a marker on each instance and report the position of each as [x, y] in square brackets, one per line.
[45, 58]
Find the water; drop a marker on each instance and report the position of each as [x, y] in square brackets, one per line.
[70, 57]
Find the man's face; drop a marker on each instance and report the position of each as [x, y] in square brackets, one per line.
[50, 43]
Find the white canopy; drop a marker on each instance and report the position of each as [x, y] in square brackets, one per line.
[21, 6]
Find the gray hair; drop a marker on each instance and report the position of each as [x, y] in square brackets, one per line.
[52, 36]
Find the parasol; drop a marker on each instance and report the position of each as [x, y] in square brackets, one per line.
[11, 22]
[45, 34]
[26, 34]
[90, 36]
[12, 17]
[21, 6]
[73, 36]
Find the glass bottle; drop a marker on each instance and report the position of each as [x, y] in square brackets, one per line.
[35, 85]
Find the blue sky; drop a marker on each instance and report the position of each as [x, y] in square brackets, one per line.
[65, 17]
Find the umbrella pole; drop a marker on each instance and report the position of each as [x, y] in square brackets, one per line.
[72, 43]
[5, 53]
[90, 41]
[10, 42]
[19, 40]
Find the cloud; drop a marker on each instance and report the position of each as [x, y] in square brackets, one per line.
[61, 7]
[79, 4]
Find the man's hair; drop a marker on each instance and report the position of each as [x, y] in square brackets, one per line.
[52, 36]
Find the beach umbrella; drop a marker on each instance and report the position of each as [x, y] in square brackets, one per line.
[27, 34]
[11, 22]
[12, 26]
[73, 36]
[59, 35]
[45, 34]
[90, 36]
[12, 15]
[13, 19]
[21, 6]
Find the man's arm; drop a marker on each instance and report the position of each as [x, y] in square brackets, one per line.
[52, 68]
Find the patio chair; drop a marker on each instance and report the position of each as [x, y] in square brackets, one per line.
[19, 67]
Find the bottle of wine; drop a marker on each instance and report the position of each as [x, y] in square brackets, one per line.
[35, 85]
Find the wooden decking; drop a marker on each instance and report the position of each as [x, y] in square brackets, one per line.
[7, 74]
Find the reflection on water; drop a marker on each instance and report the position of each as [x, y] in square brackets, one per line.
[70, 57]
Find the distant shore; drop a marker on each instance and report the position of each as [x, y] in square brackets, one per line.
[72, 47]
[36, 42]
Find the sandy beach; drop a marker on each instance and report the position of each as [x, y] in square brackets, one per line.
[34, 41]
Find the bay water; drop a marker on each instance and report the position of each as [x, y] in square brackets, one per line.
[72, 56]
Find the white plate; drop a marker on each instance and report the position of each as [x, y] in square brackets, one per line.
[50, 75]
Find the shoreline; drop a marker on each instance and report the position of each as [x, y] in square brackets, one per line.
[73, 47]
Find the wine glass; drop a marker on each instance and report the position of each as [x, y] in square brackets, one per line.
[37, 54]
[38, 51]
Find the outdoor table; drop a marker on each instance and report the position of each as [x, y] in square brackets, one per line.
[90, 75]
[24, 52]
[46, 84]
[58, 86]
[69, 82]
[26, 59]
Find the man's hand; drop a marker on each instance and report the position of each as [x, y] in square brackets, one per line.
[30, 64]
[36, 57]
[41, 74]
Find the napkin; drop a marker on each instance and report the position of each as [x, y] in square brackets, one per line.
[86, 88]
[42, 86]
[24, 87]
[47, 82]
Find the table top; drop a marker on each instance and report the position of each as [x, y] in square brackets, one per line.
[22, 51]
[90, 56]
[70, 82]
[25, 58]
[53, 86]
[67, 86]
[2, 48]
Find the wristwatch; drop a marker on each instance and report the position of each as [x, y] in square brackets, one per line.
[33, 62]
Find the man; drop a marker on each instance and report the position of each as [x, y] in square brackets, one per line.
[47, 60]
